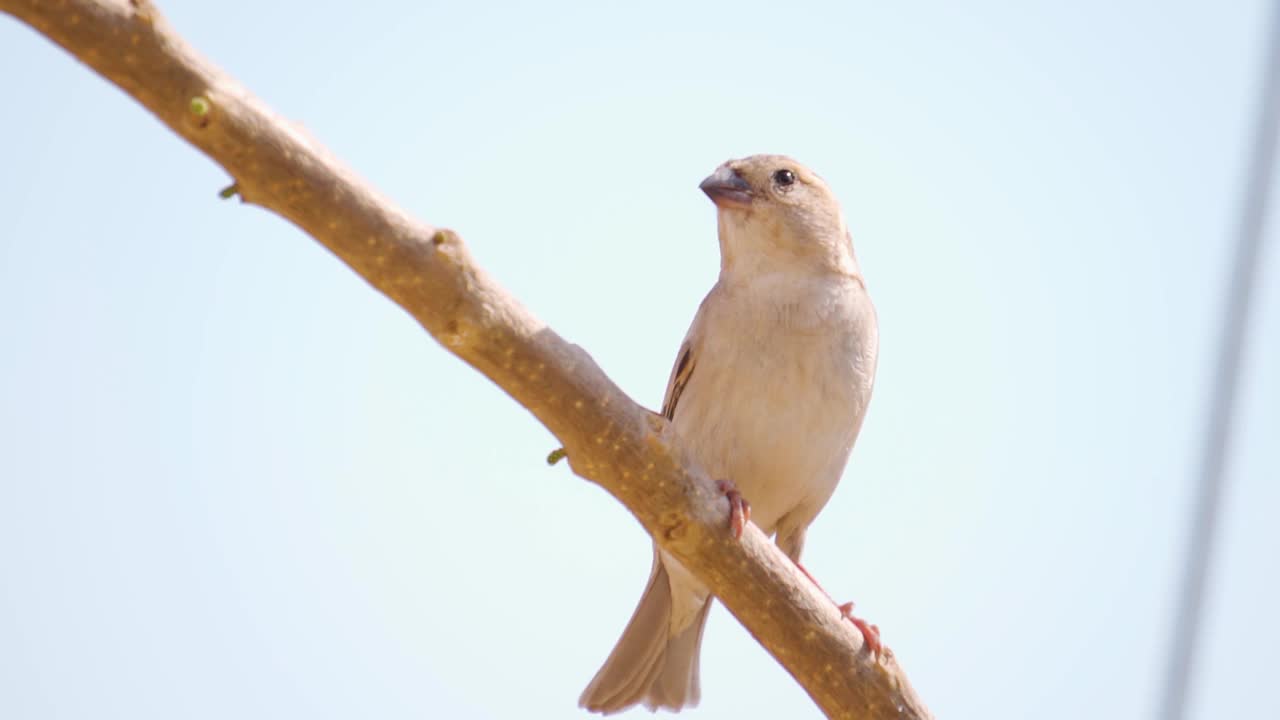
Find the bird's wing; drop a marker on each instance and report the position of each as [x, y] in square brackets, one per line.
[680, 375]
[687, 358]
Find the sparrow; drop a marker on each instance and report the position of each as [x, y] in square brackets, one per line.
[768, 393]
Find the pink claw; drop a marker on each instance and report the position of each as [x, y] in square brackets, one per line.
[870, 632]
[739, 508]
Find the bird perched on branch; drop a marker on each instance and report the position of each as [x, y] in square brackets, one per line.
[768, 393]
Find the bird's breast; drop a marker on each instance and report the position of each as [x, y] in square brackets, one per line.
[776, 399]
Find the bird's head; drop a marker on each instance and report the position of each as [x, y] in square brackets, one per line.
[777, 215]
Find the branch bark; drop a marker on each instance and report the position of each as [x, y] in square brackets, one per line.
[610, 439]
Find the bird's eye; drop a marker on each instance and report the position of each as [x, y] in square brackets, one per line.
[784, 178]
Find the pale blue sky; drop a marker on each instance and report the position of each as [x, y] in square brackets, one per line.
[236, 482]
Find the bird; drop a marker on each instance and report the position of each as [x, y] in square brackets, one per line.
[768, 393]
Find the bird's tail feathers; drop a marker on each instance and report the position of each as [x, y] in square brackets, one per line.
[648, 665]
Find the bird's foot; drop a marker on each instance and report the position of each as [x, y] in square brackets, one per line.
[870, 632]
[739, 508]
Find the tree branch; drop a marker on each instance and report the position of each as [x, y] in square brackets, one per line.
[609, 438]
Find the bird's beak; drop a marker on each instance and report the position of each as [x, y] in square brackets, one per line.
[726, 188]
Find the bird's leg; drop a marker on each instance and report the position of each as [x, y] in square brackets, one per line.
[739, 508]
[870, 632]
